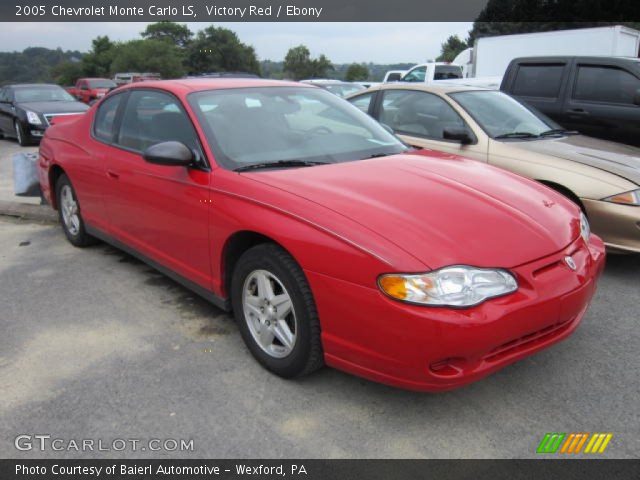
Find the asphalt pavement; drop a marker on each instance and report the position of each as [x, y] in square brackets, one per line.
[95, 345]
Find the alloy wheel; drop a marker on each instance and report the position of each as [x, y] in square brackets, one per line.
[69, 208]
[269, 313]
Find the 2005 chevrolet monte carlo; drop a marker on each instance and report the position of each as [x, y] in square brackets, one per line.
[330, 240]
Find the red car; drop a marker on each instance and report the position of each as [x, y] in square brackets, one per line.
[331, 241]
[89, 89]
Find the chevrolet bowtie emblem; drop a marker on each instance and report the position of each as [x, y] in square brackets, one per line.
[570, 263]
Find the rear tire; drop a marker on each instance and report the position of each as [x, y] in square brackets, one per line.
[69, 214]
[275, 311]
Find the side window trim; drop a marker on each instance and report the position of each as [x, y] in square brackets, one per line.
[380, 100]
[206, 165]
[116, 121]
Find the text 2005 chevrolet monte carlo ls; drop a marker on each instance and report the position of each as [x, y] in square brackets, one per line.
[329, 239]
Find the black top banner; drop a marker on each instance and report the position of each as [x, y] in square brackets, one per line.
[317, 10]
[239, 10]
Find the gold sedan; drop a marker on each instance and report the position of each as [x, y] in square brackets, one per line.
[602, 177]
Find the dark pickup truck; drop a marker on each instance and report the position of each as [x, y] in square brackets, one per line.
[598, 96]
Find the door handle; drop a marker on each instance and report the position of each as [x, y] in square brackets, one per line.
[578, 111]
[112, 174]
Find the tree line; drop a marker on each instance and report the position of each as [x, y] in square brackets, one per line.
[173, 51]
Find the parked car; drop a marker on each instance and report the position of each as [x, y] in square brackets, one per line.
[133, 77]
[89, 89]
[330, 240]
[341, 89]
[601, 177]
[598, 96]
[26, 110]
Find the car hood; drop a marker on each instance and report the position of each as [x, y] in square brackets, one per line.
[616, 158]
[441, 209]
[55, 107]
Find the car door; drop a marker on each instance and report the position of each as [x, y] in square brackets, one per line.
[420, 118]
[160, 211]
[601, 103]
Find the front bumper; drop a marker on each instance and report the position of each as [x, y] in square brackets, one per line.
[434, 349]
[618, 225]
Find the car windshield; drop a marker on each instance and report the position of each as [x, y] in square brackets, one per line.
[343, 89]
[503, 116]
[102, 83]
[44, 93]
[267, 125]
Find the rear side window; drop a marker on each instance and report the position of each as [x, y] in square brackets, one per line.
[445, 72]
[152, 117]
[538, 80]
[362, 101]
[103, 127]
[605, 84]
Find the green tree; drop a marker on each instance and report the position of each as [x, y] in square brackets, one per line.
[66, 73]
[356, 71]
[298, 64]
[451, 48]
[97, 63]
[217, 49]
[169, 31]
[505, 17]
[148, 56]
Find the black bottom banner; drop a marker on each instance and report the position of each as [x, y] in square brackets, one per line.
[320, 469]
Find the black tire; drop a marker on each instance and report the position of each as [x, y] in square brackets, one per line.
[21, 136]
[81, 238]
[306, 355]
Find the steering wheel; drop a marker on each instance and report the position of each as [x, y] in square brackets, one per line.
[321, 130]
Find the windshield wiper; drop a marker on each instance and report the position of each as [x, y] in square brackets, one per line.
[279, 163]
[558, 131]
[378, 155]
[517, 135]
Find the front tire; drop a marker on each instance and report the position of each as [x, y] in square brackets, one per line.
[21, 136]
[275, 311]
[70, 215]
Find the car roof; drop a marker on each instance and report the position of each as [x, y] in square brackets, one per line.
[431, 87]
[189, 85]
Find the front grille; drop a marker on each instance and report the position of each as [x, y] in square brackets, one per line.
[528, 340]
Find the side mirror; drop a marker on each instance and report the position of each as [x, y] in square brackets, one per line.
[636, 98]
[457, 134]
[172, 154]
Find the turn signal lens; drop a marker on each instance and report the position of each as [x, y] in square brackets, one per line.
[394, 286]
[458, 286]
[626, 198]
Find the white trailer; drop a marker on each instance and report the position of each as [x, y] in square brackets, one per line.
[491, 55]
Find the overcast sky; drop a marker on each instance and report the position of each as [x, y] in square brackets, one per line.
[341, 42]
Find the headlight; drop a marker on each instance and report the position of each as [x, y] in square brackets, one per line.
[585, 229]
[626, 198]
[33, 118]
[458, 286]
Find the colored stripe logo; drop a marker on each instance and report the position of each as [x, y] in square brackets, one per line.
[572, 443]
